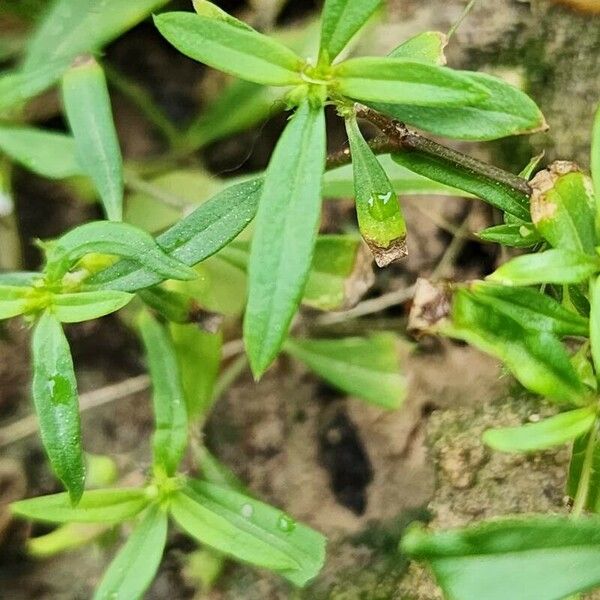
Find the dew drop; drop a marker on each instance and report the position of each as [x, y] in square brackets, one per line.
[247, 511]
[286, 523]
[382, 205]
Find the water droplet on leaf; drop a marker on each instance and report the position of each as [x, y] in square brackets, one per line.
[286, 523]
[382, 206]
[247, 511]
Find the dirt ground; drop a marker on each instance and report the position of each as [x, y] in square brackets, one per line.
[352, 471]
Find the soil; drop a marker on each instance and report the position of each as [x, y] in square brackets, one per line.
[354, 472]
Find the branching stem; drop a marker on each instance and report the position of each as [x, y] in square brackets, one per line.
[397, 137]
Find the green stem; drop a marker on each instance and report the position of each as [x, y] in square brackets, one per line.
[586, 474]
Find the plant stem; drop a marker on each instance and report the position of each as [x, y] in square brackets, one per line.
[400, 139]
[586, 473]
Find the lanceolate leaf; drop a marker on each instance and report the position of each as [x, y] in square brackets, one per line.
[286, 228]
[515, 235]
[19, 278]
[84, 306]
[196, 237]
[595, 323]
[134, 567]
[562, 208]
[96, 506]
[87, 105]
[549, 432]
[341, 273]
[427, 46]
[46, 153]
[581, 448]
[531, 309]
[118, 239]
[13, 300]
[397, 80]
[341, 19]
[380, 217]
[552, 266]
[537, 558]
[537, 359]
[249, 530]
[55, 396]
[71, 28]
[199, 359]
[18, 86]
[365, 367]
[170, 435]
[505, 111]
[228, 47]
[449, 172]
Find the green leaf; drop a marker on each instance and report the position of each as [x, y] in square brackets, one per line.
[505, 111]
[427, 46]
[249, 530]
[595, 160]
[20, 278]
[46, 153]
[531, 309]
[449, 172]
[132, 570]
[552, 266]
[240, 106]
[66, 538]
[84, 306]
[228, 47]
[212, 11]
[214, 471]
[536, 358]
[55, 396]
[193, 239]
[13, 300]
[286, 228]
[339, 182]
[380, 217]
[340, 21]
[553, 431]
[581, 448]
[87, 105]
[364, 367]
[595, 323]
[170, 435]
[199, 359]
[117, 239]
[71, 28]
[562, 208]
[168, 198]
[397, 80]
[514, 235]
[340, 274]
[171, 305]
[535, 558]
[96, 506]
[243, 104]
[18, 86]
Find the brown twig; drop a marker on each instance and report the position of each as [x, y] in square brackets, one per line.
[397, 137]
